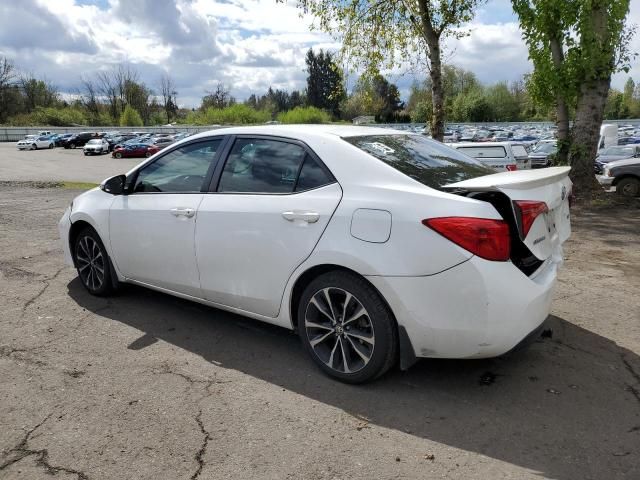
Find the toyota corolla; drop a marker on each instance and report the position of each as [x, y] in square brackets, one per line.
[377, 246]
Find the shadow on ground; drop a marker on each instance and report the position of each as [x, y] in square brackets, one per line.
[568, 407]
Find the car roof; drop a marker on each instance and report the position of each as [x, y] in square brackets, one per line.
[300, 131]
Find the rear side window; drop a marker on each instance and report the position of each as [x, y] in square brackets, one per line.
[257, 165]
[429, 162]
[312, 175]
[484, 152]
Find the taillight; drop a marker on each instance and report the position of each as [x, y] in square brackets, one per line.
[483, 237]
[529, 211]
[512, 168]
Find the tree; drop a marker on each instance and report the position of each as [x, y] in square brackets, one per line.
[7, 87]
[219, 98]
[389, 33]
[169, 97]
[325, 87]
[575, 47]
[37, 93]
[130, 117]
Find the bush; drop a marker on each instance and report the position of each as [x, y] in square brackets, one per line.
[55, 117]
[130, 118]
[238, 114]
[304, 115]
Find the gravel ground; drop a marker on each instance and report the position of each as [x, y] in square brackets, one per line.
[144, 385]
[60, 164]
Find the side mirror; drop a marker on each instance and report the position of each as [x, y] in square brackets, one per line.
[114, 185]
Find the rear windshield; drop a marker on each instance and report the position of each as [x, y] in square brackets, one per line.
[427, 161]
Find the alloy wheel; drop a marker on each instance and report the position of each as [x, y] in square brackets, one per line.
[339, 330]
[91, 263]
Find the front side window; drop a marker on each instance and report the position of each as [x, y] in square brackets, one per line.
[257, 165]
[182, 170]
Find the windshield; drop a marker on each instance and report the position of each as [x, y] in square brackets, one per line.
[546, 148]
[426, 161]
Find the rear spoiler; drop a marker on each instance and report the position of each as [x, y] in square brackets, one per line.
[517, 180]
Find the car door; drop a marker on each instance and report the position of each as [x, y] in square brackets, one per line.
[272, 202]
[151, 229]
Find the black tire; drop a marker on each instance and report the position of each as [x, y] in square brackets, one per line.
[92, 263]
[147, 154]
[628, 187]
[34, 146]
[117, 155]
[72, 145]
[377, 324]
[51, 146]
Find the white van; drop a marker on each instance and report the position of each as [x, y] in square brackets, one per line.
[501, 156]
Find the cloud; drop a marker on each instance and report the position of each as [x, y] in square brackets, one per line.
[248, 45]
[27, 25]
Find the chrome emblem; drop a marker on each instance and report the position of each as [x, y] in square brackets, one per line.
[563, 194]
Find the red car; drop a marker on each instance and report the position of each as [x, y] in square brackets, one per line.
[135, 151]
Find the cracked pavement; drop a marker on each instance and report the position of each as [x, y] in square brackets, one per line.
[144, 385]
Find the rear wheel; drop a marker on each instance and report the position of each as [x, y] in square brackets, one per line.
[347, 328]
[92, 263]
[73, 145]
[628, 187]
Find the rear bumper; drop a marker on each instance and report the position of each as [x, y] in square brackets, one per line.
[477, 309]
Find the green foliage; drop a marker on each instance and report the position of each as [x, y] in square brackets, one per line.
[55, 117]
[325, 88]
[472, 107]
[304, 115]
[422, 112]
[237, 114]
[130, 118]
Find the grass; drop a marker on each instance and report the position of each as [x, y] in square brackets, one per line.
[76, 185]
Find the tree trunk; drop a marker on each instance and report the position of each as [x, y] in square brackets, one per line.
[562, 110]
[432, 39]
[586, 134]
[437, 93]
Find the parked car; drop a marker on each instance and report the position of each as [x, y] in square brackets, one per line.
[501, 156]
[374, 244]
[59, 139]
[628, 140]
[79, 139]
[96, 146]
[542, 154]
[35, 143]
[135, 150]
[162, 142]
[624, 175]
[609, 154]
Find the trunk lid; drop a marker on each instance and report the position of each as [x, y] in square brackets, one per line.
[552, 186]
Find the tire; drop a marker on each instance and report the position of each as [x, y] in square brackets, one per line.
[117, 155]
[85, 153]
[50, 146]
[72, 145]
[92, 263]
[628, 187]
[34, 146]
[373, 333]
[147, 154]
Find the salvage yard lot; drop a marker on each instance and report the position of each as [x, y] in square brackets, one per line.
[144, 385]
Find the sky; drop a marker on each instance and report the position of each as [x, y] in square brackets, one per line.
[248, 45]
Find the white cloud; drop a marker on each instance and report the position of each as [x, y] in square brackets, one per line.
[247, 44]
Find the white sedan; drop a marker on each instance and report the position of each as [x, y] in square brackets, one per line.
[34, 143]
[376, 245]
[96, 146]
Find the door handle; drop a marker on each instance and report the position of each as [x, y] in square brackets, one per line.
[309, 217]
[183, 212]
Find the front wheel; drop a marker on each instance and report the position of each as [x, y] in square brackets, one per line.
[118, 155]
[628, 187]
[92, 263]
[73, 145]
[34, 146]
[347, 328]
[50, 146]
